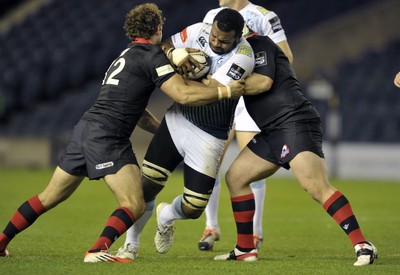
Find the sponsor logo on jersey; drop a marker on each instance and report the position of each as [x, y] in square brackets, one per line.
[275, 24]
[184, 35]
[235, 72]
[202, 42]
[163, 70]
[263, 10]
[260, 59]
[285, 151]
[246, 50]
[104, 165]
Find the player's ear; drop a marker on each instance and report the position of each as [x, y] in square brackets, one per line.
[159, 30]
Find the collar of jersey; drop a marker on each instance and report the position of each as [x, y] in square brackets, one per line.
[141, 40]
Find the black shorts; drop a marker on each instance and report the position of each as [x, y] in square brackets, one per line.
[95, 151]
[281, 144]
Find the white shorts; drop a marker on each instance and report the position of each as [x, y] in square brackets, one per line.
[243, 121]
[200, 150]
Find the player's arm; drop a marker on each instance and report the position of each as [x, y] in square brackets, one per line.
[148, 122]
[257, 83]
[199, 94]
[276, 33]
[284, 45]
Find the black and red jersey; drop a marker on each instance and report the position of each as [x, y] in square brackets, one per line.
[127, 86]
[284, 102]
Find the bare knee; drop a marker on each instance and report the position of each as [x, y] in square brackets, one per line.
[319, 191]
[51, 197]
[135, 204]
[234, 182]
[229, 178]
[50, 201]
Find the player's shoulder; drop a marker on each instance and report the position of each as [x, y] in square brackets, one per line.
[211, 14]
[142, 49]
[144, 54]
[192, 31]
[198, 29]
[260, 11]
[244, 48]
[260, 41]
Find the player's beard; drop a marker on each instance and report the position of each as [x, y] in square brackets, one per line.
[220, 50]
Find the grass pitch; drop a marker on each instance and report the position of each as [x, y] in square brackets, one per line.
[300, 238]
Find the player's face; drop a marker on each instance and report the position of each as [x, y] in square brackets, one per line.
[222, 42]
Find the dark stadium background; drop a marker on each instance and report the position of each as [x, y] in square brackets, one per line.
[53, 55]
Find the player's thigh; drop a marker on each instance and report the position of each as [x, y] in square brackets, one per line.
[126, 185]
[249, 167]
[244, 125]
[243, 138]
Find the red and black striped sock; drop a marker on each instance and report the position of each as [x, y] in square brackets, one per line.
[243, 211]
[26, 215]
[339, 208]
[120, 220]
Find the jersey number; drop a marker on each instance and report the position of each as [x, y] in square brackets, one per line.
[119, 64]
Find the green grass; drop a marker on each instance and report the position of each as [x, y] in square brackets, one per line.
[300, 238]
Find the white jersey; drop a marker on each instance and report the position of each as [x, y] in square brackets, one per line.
[258, 19]
[234, 65]
[266, 23]
[215, 118]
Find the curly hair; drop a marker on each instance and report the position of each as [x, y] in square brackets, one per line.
[143, 21]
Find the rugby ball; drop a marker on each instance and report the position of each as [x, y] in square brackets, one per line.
[179, 55]
[204, 61]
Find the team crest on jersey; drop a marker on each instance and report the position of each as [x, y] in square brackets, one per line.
[163, 70]
[285, 151]
[260, 59]
[235, 72]
[202, 42]
[246, 50]
[276, 24]
[263, 10]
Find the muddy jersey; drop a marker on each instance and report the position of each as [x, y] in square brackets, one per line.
[127, 86]
[257, 18]
[215, 118]
[284, 102]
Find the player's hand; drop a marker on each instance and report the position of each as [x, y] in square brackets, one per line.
[184, 62]
[237, 88]
[397, 80]
[207, 80]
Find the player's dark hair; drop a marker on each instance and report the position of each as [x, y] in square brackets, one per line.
[230, 20]
[143, 21]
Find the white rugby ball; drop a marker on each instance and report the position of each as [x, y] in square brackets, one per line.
[204, 61]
